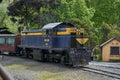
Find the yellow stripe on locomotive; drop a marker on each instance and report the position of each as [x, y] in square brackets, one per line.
[31, 33]
[70, 31]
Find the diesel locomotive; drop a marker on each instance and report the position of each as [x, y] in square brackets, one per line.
[55, 42]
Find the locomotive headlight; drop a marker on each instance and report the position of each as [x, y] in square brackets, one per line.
[46, 40]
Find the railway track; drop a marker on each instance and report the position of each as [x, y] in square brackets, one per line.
[102, 72]
[34, 68]
[108, 67]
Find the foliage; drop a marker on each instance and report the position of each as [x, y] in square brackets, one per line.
[105, 18]
[4, 18]
[75, 9]
[28, 12]
[106, 11]
[0, 1]
[97, 54]
[100, 18]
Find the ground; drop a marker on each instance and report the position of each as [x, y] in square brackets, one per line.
[26, 69]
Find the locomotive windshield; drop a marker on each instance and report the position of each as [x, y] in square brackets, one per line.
[48, 32]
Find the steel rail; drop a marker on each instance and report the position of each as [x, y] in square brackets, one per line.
[108, 67]
[102, 72]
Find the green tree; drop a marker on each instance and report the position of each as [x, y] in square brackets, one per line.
[105, 18]
[106, 11]
[75, 9]
[4, 18]
[99, 18]
[0, 1]
[28, 12]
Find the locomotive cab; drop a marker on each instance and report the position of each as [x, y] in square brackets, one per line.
[58, 34]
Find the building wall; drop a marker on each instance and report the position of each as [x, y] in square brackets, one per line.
[106, 51]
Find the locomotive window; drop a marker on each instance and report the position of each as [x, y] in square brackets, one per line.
[61, 29]
[48, 32]
[2, 40]
[114, 51]
[10, 41]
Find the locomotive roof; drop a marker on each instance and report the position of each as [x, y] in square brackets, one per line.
[54, 25]
[51, 26]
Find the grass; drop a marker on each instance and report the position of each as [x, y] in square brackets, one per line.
[49, 76]
[15, 66]
[57, 76]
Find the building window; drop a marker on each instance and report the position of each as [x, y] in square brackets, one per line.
[114, 51]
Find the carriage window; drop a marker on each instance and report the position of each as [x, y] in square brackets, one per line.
[114, 51]
[2, 40]
[10, 41]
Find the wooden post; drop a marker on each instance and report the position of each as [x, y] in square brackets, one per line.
[4, 74]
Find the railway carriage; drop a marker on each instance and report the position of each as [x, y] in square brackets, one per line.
[8, 43]
[56, 42]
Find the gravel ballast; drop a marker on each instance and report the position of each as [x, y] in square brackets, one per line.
[26, 69]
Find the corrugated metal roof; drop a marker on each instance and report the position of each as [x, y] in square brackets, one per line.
[51, 25]
[108, 41]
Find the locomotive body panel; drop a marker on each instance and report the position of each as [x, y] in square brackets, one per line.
[62, 41]
[32, 41]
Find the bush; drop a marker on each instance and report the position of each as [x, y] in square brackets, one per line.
[97, 55]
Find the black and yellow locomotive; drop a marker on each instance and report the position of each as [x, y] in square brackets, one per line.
[56, 42]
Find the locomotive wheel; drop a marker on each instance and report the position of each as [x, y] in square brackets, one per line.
[62, 61]
[66, 59]
[42, 57]
[21, 53]
[30, 56]
[46, 57]
[11, 54]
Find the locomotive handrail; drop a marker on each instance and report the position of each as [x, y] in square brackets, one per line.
[4, 74]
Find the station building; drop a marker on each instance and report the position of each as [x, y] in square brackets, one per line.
[111, 50]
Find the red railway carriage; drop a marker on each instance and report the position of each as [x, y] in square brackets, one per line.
[8, 42]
